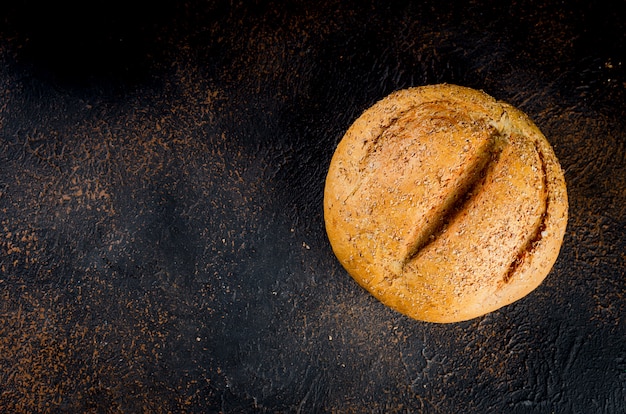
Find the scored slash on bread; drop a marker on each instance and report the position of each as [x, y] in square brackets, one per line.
[444, 203]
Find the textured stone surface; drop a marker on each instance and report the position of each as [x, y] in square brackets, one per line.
[162, 245]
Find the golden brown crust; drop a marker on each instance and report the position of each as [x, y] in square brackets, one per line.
[444, 203]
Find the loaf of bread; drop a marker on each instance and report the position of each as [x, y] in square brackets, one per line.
[444, 203]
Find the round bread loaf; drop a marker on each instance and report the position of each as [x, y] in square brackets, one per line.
[444, 203]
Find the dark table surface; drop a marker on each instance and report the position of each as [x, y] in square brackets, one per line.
[162, 246]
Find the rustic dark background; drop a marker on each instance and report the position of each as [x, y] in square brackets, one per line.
[162, 246]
